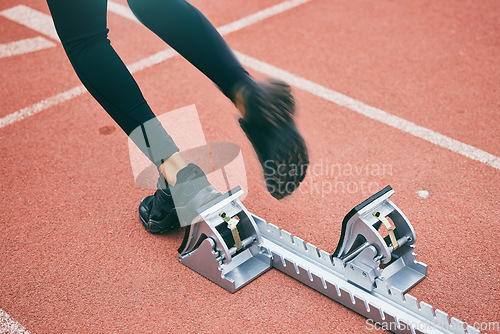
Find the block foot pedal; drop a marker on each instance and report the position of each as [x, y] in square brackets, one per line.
[367, 258]
[225, 246]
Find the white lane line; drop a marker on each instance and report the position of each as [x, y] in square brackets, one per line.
[32, 19]
[9, 325]
[125, 12]
[372, 112]
[147, 62]
[24, 46]
[141, 64]
[260, 15]
[121, 10]
[42, 105]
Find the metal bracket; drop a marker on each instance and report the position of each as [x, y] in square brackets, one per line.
[226, 252]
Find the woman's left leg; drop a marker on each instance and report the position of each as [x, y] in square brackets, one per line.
[188, 31]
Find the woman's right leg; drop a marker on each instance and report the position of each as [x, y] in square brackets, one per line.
[267, 108]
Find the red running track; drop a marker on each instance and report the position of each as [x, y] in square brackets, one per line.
[75, 259]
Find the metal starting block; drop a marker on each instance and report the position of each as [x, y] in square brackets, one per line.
[225, 246]
[367, 258]
[370, 271]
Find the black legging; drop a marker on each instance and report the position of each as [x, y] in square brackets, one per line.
[81, 26]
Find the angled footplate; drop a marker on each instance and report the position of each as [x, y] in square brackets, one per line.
[370, 271]
[376, 246]
[225, 246]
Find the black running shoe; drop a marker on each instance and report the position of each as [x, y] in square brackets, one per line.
[191, 191]
[157, 212]
[173, 206]
[269, 125]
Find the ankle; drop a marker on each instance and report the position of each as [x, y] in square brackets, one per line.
[240, 93]
[171, 167]
[239, 102]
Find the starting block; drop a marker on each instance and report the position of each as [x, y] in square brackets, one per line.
[368, 272]
[226, 245]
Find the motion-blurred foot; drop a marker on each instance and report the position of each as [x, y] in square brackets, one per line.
[268, 120]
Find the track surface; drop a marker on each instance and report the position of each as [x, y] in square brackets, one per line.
[75, 259]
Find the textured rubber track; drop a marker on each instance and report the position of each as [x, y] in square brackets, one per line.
[74, 258]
